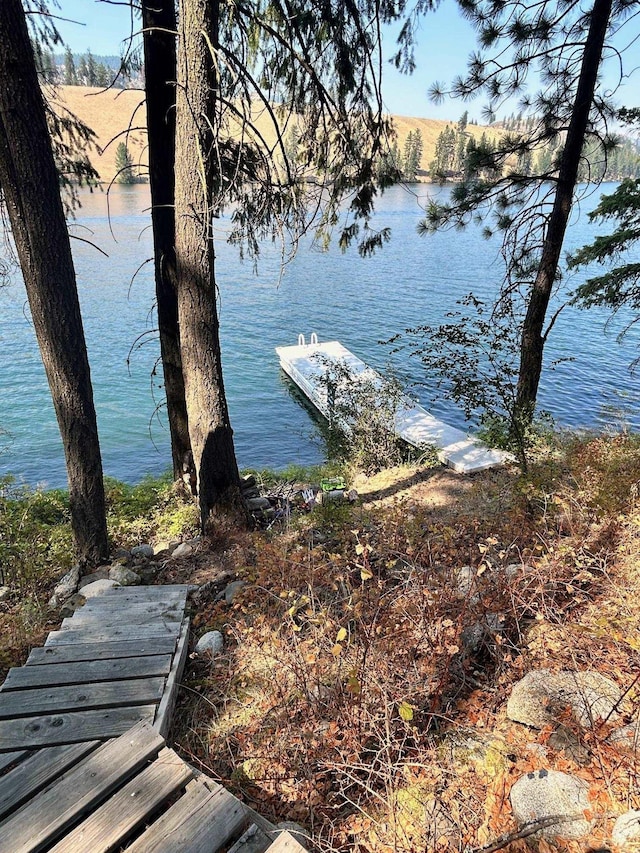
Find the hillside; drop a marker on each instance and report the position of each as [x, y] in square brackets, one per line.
[113, 112]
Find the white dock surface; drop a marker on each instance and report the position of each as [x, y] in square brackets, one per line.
[306, 364]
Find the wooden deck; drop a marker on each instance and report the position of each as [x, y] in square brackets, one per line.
[307, 364]
[84, 766]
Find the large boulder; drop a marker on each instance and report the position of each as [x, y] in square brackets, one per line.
[541, 698]
[556, 800]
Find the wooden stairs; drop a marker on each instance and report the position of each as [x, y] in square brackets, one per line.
[84, 766]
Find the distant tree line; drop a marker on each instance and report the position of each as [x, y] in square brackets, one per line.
[85, 69]
[458, 154]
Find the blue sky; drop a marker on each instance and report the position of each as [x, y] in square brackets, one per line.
[445, 40]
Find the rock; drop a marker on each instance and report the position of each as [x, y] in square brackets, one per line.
[183, 550]
[143, 550]
[515, 569]
[565, 740]
[121, 555]
[123, 576]
[71, 605]
[465, 579]
[211, 642]
[99, 575]
[5, 592]
[93, 590]
[626, 736]
[165, 547]
[547, 794]
[300, 834]
[541, 697]
[232, 589]
[256, 504]
[627, 828]
[352, 496]
[147, 572]
[66, 587]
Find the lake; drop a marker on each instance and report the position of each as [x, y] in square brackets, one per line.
[412, 281]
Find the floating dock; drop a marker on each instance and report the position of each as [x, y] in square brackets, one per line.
[308, 365]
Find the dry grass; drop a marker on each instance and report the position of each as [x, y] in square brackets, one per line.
[114, 116]
[352, 696]
[121, 115]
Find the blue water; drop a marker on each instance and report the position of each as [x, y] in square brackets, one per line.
[412, 281]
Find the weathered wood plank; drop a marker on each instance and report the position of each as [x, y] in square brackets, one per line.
[37, 824]
[71, 726]
[138, 594]
[104, 603]
[286, 843]
[168, 702]
[12, 758]
[81, 697]
[99, 634]
[111, 824]
[200, 822]
[131, 612]
[117, 618]
[83, 672]
[37, 771]
[101, 651]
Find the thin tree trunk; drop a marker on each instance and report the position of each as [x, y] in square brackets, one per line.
[533, 339]
[29, 182]
[196, 178]
[159, 39]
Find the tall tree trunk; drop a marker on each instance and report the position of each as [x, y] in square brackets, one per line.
[533, 339]
[29, 182]
[196, 179]
[159, 39]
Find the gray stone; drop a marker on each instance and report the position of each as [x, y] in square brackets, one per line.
[301, 835]
[515, 569]
[232, 589]
[5, 592]
[255, 504]
[465, 579]
[121, 556]
[552, 798]
[65, 587]
[143, 550]
[183, 550]
[165, 546]
[99, 575]
[542, 696]
[93, 590]
[71, 605]
[627, 828]
[123, 576]
[211, 642]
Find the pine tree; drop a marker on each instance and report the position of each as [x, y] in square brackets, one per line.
[70, 75]
[125, 172]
